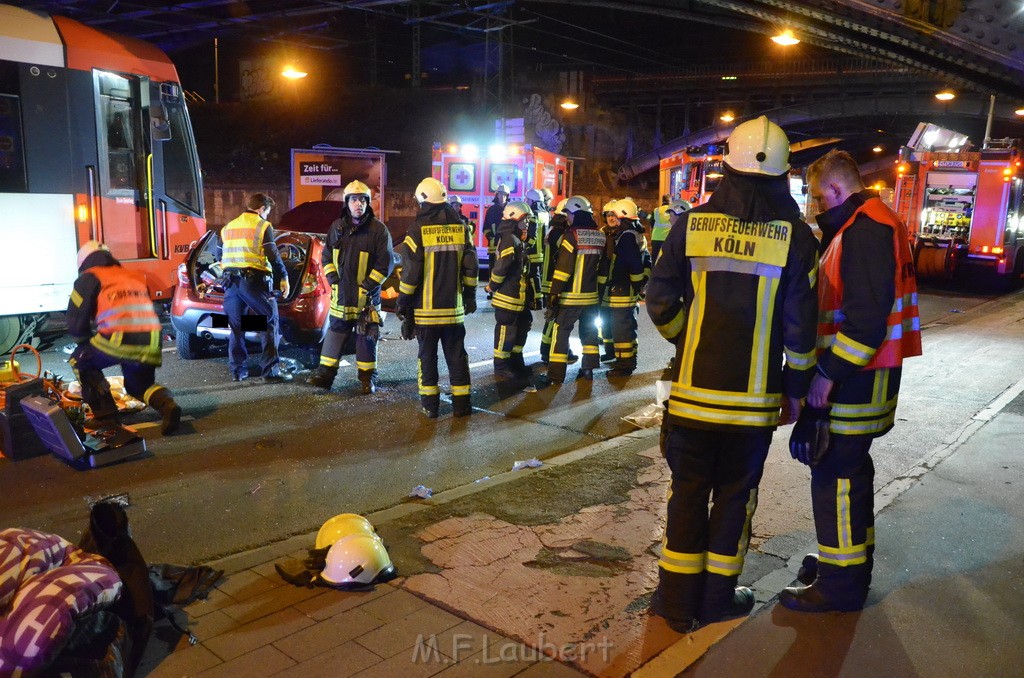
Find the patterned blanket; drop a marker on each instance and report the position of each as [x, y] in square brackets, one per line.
[46, 583]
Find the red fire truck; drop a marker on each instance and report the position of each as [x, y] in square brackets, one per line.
[963, 208]
[95, 143]
[473, 174]
[691, 174]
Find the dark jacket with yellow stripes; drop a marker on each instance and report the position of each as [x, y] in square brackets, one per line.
[557, 226]
[441, 266]
[357, 259]
[511, 269]
[863, 401]
[143, 347]
[735, 289]
[626, 273]
[580, 258]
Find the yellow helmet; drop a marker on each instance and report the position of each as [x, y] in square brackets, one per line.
[517, 210]
[357, 188]
[90, 248]
[431, 190]
[561, 206]
[548, 195]
[608, 207]
[625, 208]
[758, 147]
[340, 526]
[578, 203]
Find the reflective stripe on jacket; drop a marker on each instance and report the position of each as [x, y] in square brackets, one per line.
[903, 325]
[242, 242]
[127, 327]
[662, 224]
[580, 257]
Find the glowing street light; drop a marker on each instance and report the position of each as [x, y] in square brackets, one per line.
[786, 38]
[569, 105]
[876, 149]
[727, 117]
[945, 95]
[1019, 111]
[292, 74]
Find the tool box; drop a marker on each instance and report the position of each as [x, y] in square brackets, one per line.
[99, 448]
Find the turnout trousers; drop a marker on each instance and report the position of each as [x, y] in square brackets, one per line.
[566, 317]
[251, 290]
[89, 362]
[703, 550]
[623, 333]
[338, 333]
[452, 339]
[510, 332]
[842, 496]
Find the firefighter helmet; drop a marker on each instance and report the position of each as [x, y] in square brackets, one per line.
[625, 208]
[431, 190]
[356, 561]
[548, 195]
[340, 526]
[455, 199]
[517, 210]
[609, 207]
[502, 188]
[90, 248]
[678, 206]
[578, 203]
[535, 195]
[357, 188]
[560, 209]
[758, 147]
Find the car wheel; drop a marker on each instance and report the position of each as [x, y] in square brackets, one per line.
[190, 346]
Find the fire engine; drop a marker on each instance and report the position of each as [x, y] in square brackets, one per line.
[95, 143]
[691, 174]
[474, 175]
[962, 208]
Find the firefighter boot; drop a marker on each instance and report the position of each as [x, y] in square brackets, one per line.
[519, 365]
[461, 406]
[622, 368]
[808, 569]
[368, 380]
[609, 352]
[556, 373]
[677, 599]
[323, 377]
[429, 405]
[723, 600]
[162, 402]
[503, 369]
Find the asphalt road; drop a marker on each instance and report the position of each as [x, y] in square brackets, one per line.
[256, 463]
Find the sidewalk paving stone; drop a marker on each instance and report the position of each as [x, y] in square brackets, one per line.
[263, 661]
[339, 662]
[262, 631]
[404, 633]
[393, 606]
[313, 640]
[329, 602]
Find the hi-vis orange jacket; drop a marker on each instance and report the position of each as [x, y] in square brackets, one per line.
[903, 326]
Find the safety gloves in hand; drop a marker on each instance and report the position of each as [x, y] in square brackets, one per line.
[808, 442]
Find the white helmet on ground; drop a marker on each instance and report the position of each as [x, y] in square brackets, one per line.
[341, 526]
[678, 206]
[517, 210]
[357, 188]
[355, 561]
[90, 248]
[578, 203]
[431, 190]
[758, 147]
[625, 208]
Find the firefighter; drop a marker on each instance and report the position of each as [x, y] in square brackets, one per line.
[438, 288]
[456, 202]
[552, 241]
[734, 290]
[610, 227]
[628, 269]
[251, 262]
[536, 199]
[661, 222]
[357, 259]
[111, 317]
[868, 324]
[512, 293]
[492, 217]
[574, 290]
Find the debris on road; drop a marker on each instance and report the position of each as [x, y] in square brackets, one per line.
[646, 417]
[529, 463]
[422, 492]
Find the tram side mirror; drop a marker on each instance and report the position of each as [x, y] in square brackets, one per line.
[159, 122]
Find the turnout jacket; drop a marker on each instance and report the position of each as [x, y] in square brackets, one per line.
[869, 316]
[357, 259]
[536, 233]
[735, 289]
[440, 268]
[511, 269]
[551, 242]
[626, 270]
[248, 242]
[111, 309]
[581, 256]
[492, 217]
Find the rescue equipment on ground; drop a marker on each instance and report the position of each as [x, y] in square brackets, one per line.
[348, 555]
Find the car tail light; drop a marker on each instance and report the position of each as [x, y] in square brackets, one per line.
[309, 284]
[183, 280]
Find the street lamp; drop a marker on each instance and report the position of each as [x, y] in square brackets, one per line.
[569, 105]
[1019, 111]
[292, 74]
[945, 95]
[786, 38]
[727, 117]
[876, 149]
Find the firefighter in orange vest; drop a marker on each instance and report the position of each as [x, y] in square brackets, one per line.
[111, 317]
[251, 261]
[868, 323]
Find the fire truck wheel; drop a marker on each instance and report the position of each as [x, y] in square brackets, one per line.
[10, 331]
[190, 346]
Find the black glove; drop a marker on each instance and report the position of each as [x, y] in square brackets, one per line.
[552, 309]
[408, 327]
[809, 440]
[469, 300]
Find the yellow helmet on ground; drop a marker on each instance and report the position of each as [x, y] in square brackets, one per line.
[340, 526]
